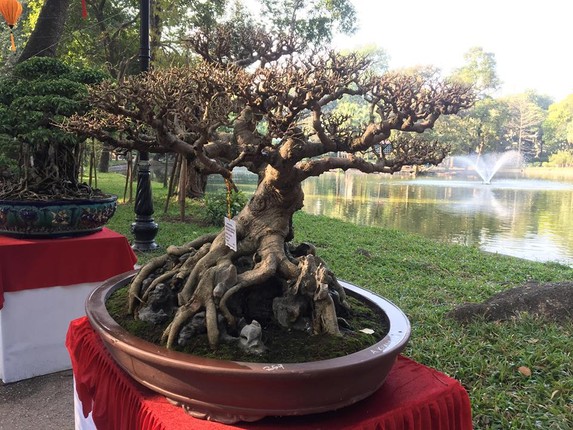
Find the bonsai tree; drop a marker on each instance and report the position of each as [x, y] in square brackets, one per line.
[277, 121]
[39, 160]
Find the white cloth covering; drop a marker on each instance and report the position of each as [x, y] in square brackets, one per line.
[33, 327]
[82, 423]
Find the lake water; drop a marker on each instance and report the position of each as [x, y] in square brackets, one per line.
[526, 218]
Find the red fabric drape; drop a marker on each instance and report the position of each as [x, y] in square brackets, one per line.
[414, 397]
[29, 264]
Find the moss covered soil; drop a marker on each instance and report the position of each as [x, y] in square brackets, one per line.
[283, 346]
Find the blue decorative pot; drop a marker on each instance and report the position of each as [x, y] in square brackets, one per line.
[55, 218]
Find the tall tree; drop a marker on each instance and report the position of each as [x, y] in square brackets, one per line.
[312, 20]
[48, 31]
[479, 129]
[558, 126]
[171, 22]
[184, 109]
[26, 23]
[109, 37]
[523, 128]
[479, 70]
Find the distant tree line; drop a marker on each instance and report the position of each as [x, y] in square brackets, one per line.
[533, 124]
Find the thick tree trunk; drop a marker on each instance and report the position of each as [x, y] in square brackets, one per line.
[103, 165]
[196, 181]
[44, 39]
[211, 276]
[156, 23]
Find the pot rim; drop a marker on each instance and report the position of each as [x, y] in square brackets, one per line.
[108, 198]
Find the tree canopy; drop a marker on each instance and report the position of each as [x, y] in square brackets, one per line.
[184, 109]
[523, 127]
[479, 70]
[109, 37]
[558, 126]
[110, 33]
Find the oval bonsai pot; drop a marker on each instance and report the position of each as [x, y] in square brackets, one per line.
[55, 218]
[231, 391]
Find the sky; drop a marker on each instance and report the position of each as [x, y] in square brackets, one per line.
[532, 40]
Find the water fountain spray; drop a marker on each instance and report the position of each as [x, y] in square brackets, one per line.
[487, 165]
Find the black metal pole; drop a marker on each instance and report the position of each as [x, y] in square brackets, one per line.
[144, 228]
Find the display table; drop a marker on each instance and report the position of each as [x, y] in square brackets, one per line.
[43, 286]
[414, 397]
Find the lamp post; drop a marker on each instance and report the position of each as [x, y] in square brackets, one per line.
[144, 228]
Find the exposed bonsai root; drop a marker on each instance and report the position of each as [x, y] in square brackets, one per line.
[159, 280]
[184, 313]
[203, 298]
[217, 250]
[191, 263]
[191, 246]
[173, 268]
[271, 253]
[313, 282]
[324, 314]
[205, 275]
[137, 282]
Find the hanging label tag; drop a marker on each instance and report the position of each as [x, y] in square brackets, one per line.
[231, 233]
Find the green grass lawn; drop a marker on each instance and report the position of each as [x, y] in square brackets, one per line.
[551, 173]
[426, 279]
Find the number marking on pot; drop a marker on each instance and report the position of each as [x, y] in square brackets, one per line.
[274, 367]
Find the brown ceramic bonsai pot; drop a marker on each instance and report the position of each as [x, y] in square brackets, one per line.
[230, 391]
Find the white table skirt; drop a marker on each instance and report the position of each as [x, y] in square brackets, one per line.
[82, 423]
[33, 327]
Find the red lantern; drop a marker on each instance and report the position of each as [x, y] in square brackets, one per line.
[11, 11]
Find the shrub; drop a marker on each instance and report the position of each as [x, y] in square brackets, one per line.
[216, 206]
[36, 156]
[563, 158]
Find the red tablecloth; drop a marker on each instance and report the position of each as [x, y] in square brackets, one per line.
[27, 264]
[414, 397]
